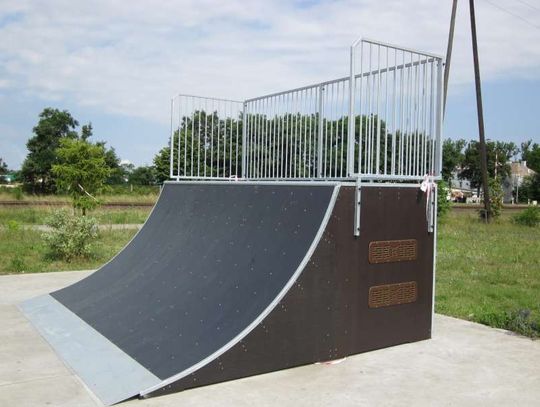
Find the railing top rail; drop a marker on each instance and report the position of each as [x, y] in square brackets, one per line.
[398, 47]
[313, 86]
[206, 97]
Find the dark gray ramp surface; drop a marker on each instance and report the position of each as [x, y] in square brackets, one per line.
[208, 262]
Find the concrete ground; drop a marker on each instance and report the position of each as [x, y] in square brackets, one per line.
[465, 364]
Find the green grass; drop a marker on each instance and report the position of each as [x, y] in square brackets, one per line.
[140, 195]
[489, 273]
[24, 251]
[36, 215]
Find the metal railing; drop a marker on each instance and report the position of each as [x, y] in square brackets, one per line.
[396, 99]
[206, 138]
[382, 122]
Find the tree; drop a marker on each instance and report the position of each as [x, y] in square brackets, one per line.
[3, 167]
[162, 164]
[531, 153]
[530, 188]
[53, 126]
[499, 153]
[452, 157]
[118, 174]
[144, 175]
[81, 171]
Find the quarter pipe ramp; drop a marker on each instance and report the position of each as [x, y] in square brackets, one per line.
[227, 280]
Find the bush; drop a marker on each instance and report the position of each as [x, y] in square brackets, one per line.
[528, 217]
[495, 198]
[443, 205]
[70, 236]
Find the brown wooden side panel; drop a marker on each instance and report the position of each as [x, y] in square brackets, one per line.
[326, 314]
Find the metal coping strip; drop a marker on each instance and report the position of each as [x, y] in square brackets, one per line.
[371, 177]
[315, 182]
[267, 310]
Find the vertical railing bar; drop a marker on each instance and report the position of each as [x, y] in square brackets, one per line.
[192, 134]
[320, 133]
[278, 135]
[439, 117]
[245, 146]
[401, 125]
[199, 142]
[394, 108]
[179, 135]
[386, 115]
[409, 116]
[331, 142]
[424, 119]
[418, 162]
[378, 148]
[325, 145]
[295, 133]
[431, 121]
[342, 127]
[287, 127]
[272, 125]
[171, 148]
[231, 124]
[310, 132]
[350, 165]
[360, 109]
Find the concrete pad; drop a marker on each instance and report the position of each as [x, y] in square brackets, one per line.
[16, 288]
[465, 364]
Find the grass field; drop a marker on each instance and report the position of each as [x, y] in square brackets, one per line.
[489, 273]
[485, 273]
[36, 215]
[23, 251]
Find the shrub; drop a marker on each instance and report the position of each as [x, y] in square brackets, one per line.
[443, 205]
[495, 198]
[70, 236]
[528, 217]
[18, 265]
[18, 193]
[13, 225]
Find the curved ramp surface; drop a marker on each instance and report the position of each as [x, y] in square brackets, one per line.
[211, 261]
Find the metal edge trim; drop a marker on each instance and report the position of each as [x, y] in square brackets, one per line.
[267, 310]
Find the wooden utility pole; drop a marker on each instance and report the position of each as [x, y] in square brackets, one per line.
[483, 153]
[449, 52]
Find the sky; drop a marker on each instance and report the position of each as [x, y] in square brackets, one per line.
[118, 63]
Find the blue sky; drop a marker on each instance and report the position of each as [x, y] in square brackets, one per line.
[117, 64]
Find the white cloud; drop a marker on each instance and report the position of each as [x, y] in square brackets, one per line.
[130, 57]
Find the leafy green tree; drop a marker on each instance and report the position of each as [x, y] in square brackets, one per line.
[531, 153]
[452, 157]
[3, 167]
[53, 126]
[162, 164]
[144, 175]
[530, 188]
[499, 153]
[81, 171]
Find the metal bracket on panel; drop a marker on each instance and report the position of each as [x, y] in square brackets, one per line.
[357, 206]
[432, 208]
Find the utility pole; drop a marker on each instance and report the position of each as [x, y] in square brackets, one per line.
[449, 52]
[483, 154]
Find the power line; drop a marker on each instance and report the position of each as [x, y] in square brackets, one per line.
[528, 4]
[504, 10]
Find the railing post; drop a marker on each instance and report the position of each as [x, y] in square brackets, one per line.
[171, 174]
[351, 129]
[320, 134]
[244, 141]
[439, 119]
